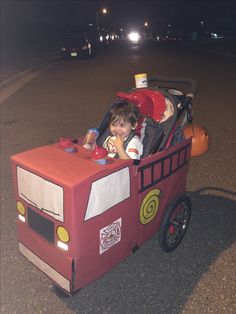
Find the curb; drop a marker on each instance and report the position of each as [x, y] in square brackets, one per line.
[14, 83]
[227, 54]
[198, 44]
[33, 69]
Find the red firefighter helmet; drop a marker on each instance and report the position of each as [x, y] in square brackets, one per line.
[151, 103]
[142, 101]
[200, 139]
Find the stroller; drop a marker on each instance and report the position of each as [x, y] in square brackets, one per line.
[72, 227]
[165, 111]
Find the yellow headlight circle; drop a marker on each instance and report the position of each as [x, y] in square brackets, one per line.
[20, 207]
[63, 234]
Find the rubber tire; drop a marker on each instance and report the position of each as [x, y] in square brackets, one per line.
[167, 226]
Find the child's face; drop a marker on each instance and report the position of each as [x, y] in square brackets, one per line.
[120, 128]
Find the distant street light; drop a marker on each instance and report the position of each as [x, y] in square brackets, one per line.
[146, 24]
[103, 11]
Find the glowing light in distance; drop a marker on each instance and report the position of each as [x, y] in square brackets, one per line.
[134, 36]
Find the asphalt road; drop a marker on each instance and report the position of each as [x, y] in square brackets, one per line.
[68, 98]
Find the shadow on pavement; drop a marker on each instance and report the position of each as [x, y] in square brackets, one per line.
[151, 281]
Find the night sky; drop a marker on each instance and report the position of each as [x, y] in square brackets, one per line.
[24, 17]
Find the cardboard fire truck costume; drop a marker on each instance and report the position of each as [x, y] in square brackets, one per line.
[77, 218]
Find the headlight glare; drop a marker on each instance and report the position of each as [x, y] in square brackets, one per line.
[134, 36]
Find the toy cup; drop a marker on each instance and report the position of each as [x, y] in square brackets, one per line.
[66, 144]
[99, 155]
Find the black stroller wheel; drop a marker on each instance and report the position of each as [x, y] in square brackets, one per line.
[175, 223]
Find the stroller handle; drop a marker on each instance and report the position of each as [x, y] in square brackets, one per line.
[192, 86]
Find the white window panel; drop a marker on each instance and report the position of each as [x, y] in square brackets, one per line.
[107, 192]
[43, 194]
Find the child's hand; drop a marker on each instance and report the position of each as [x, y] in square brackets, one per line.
[118, 141]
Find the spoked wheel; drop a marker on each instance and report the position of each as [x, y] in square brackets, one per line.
[175, 223]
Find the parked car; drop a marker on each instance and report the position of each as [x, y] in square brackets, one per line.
[77, 46]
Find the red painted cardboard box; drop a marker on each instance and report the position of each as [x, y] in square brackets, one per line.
[78, 219]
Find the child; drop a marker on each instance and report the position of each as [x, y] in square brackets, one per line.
[123, 120]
